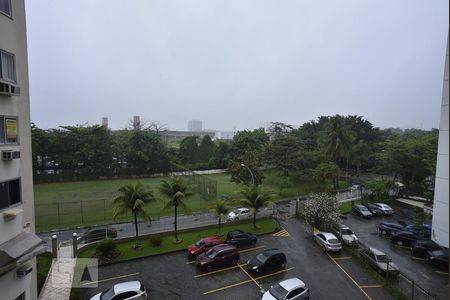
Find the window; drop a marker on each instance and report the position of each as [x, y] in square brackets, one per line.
[294, 293]
[8, 130]
[125, 295]
[9, 193]
[5, 7]
[7, 66]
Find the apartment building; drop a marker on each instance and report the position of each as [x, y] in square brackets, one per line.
[18, 243]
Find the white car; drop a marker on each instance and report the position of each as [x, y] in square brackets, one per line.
[386, 209]
[130, 290]
[347, 235]
[239, 214]
[328, 241]
[292, 288]
[355, 187]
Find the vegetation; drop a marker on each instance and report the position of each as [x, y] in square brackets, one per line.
[105, 247]
[156, 240]
[177, 191]
[255, 199]
[134, 199]
[321, 211]
[44, 262]
[220, 208]
[188, 237]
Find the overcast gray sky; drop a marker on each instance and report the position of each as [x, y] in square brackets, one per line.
[236, 64]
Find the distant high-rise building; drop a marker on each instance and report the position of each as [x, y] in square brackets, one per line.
[136, 122]
[105, 122]
[195, 125]
[18, 243]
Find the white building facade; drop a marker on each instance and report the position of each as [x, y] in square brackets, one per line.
[18, 244]
[195, 125]
[440, 231]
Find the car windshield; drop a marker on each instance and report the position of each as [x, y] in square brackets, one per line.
[346, 231]
[362, 208]
[261, 257]
[278, 292]
[383, 258]
[106, 295]
[200, 243]
[333, 241]
[211, 253]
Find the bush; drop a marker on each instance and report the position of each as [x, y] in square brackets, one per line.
[156, 240]
[106, 246]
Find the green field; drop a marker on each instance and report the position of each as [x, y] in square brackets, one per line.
[85, 203]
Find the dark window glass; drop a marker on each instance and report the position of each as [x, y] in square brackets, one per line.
[21, 297]
[4, 202]
[5, 7]
[125, 295]
[2, 130]
[14, 192]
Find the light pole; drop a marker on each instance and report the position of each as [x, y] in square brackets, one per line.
[251, 173]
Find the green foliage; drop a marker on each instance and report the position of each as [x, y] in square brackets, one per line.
[156, 240]
[378, 188]
[325, 172]
[285, 152]
[255, 199]
[336, 139]
[322, 211]
[220, 208]
[106, 246]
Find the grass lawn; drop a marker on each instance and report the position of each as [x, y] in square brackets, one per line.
[86, 203]
[44, 262]
[190, 237]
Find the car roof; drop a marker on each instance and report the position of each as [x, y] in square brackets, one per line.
[382, 204]
[242, 208]
[376, 251]
[344, 226]
[291, 283]
[127, 286]
[237, 231]
[211, 238]
[391, 224]
[360, 206]
[271, 251]
[223, 247]
[328, 235]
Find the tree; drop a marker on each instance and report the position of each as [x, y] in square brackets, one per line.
[133, 198]
[321, 211]
[221, 156]
[377, 188]
[327, 171]
[220, 208]
[285, 152]
[254, 199]
[240, 174]
[177, 191]
[206, 150]
[189, 150]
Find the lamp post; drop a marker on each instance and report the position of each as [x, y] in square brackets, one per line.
[251, 173]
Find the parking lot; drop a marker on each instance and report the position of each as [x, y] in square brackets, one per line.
[174, 276]
[428, 277]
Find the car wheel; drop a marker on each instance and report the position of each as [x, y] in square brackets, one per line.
[209, 268]
[400, 243]
[324, 248]
[383, 232]
[235, 261]
[253, 242]
[427, 256]
[283, 265]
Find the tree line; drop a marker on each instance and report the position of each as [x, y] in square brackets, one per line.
[324, 149]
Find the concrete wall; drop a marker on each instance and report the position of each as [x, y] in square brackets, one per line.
[13, 39]
[440, 232]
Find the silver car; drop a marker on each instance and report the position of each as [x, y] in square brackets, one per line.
[347, 236]
[386, 209]
[129, 290]
[292, 288]
[379, 261]
[328, 241]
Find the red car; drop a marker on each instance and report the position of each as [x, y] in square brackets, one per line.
[203, 245]
[218, 256]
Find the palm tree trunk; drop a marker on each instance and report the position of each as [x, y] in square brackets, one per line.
[136, 227]
[175, 223]
[254, 220]
[220, 221]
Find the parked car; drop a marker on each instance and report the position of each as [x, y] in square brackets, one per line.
[203, 245]
[375, 210]
[268, 260]
[420, 248]
[328, 241]
[387, 228]
[386, 209]
[288, 289]
[379, 261]
[361, 211]
[426, 230]
[438, 258]
[347, 236]
[404, 238]
[125, 290]
[218, 256]
[239, 214]
[355, 187]
[238, 237]
[97, 234]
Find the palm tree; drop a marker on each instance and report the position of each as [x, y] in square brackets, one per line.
[254, 199]
[177, 191]
[220, 208]
[133, 198]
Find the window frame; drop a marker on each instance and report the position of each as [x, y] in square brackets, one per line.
[5, 142]
[14, 67]
[10, 8]
[9, 195]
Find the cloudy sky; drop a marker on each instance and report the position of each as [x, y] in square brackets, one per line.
[236, 64]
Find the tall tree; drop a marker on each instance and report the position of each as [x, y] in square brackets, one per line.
[177, 191]
[220, 208]
[254, 199]
[336, 140]
[321, 211]
[206, 149]
[133, 198]
[285, 152]
[189, 150]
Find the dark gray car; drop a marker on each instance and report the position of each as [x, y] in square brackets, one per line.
[379, 261]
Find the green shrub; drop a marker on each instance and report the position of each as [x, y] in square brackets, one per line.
[106, 246]
[156, 240]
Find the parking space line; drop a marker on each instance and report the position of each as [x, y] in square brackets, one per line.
[249, 276]
[112, 278]
[440, 272]
[344, 257]
[190, 262]
[244, 282]
[282, 232]
[251, 249]
[217, 271]
[370, 286]
[348, 275]
[418, 258]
